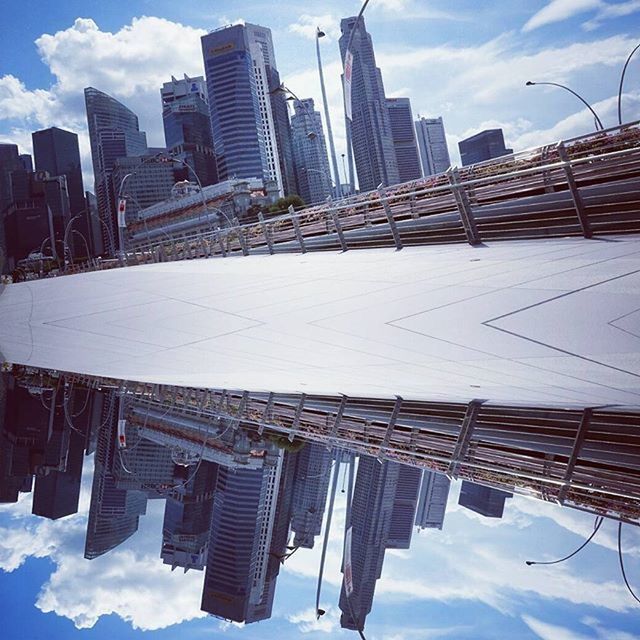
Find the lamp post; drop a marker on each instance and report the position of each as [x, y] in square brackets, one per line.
[624, 70]
[332, 148]
[65, 245]
[599, 124]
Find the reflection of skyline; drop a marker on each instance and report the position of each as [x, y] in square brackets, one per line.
[234, 520]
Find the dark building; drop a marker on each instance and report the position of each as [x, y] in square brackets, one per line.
[483, 500]
[236, 121]
[371, 135]
[36, 220]
[114, 133]
[187, 126]
[404, 139]
[9, 162]
[26, 162]
[485, 145]
[404, 507]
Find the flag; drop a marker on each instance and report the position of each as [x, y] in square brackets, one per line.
[348, 66]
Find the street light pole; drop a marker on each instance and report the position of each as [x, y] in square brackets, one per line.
[577, 95]
[624, 70]
[332, 148]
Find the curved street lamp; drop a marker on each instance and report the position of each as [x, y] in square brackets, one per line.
[599, 124]
[325, 104]
[624, 70]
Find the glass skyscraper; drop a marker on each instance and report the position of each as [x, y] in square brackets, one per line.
[187, 126]
[404, 139]
[432, 143]
[113, 133]
[372, 140]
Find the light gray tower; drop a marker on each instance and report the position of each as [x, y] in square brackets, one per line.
[373, 147]
[432, 143]
[404, 139]
[432, 503]
[113, 133]
[310, 153]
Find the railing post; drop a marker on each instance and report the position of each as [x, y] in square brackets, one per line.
[390, 219]
[336, 223]
[265, 230]
[296, 227]
[241, 239]
[464, 437]
[221, 243]
[464, 206]
[575, 192]
[581, 434]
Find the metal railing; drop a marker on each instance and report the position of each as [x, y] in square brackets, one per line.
[585, 186]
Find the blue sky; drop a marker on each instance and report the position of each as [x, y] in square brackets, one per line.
[465, 60]
[466, 582]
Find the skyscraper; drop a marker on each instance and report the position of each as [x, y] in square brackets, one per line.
[432, 503]
[373, 147]
[482, 146]
[310, 153]
[486, 501]
[404, 507]
[236, 109]
[432, 143]
[9, 162]
[404, 138]
[114, 133]
[187, 126]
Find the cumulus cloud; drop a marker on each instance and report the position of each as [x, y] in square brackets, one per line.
[307, 622]
[306, 26]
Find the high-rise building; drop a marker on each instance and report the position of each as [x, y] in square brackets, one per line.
[404, 139]
[236, 109]
[310, 153]
[432, 143]
[404, 507]
[486, 501]
[371, 135]
[485, 145]
[26, 162]
[113, 133]
[432, 503]
[187, 126]
[9, 162]
[310, 493]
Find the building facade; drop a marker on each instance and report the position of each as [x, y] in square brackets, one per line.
[432, 503]
[310, 153]
[485, 145]
[432, 143]
[371, 135]
[187, 126]
[404, 139]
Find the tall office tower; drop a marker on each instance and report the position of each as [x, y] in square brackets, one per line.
[146, 181]
[187, 518]
[372, 140]
[310, 493]
[310, 153]
[236, 115]
[485, 145]
[371, 514]
[432, 143]
[56, 151]
[9, 162]
[244, 508]
[486, 501]
[114, 133]
[26, 162]
[404, 139]
[432, 503]
[404, 507]
[187, 126]
[113, 513]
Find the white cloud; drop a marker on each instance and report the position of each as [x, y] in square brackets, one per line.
[612, 11]
[307, 622]
[547, 631]
[559, 10]
[307, 24]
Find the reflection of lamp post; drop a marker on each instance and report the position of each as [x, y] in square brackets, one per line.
[599, 124]
[332, 148]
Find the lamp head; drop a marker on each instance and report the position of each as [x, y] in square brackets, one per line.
[529, 83]
[320, 33]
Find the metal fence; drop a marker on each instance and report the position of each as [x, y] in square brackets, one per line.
[585, 186]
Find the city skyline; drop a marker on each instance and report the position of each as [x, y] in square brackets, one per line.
[608, 50]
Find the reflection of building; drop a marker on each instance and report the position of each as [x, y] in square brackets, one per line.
[373, 147]
[485, 145]
[483, 500]
[310, 493]
[404, 139]
[310, 153]
[113, 513]
[187, 126]
[432, 143]
[432, 504]
[114, 133]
